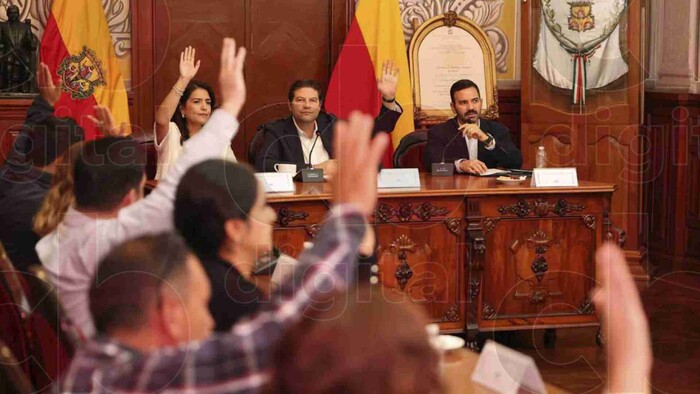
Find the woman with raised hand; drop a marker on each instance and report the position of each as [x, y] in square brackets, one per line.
[183, 112]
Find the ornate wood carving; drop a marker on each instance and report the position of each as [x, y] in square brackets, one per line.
[450, 18]
[454, 225]
[384, 212]
[474, 287]
[406, 211]
[614, 234]
[427, 211]
[540, 241]
[402, 246]
[540, 207]
[589, 221]
[285, 216]
[312, 230]
[489, 225]
[537, 296]
[586, 308]
[488, 313]
[521, 208]
[452, 314]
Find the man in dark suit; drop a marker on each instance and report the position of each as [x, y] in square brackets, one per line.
[290, 140]
[472, 144]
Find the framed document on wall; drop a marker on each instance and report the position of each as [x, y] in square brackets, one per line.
[443, 50]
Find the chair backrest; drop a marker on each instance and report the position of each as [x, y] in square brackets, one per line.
[12, 377]
[409, 153]
[149, 150]
[255, 145]
[14, 312]
[51, 340]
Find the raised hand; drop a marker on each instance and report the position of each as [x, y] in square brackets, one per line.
[47, 88]
[624, 323]
[389, 80]
[231, 81]
[358, 159]
[105, 123]
[188, 68]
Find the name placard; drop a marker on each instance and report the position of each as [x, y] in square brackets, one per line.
[276, 182]
[398, 178]
[505, 370]
[554, 177]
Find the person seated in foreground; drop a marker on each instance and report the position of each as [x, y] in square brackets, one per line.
[26, 176]
[384, 349]
[241, 360]
[290, 140]
[221, 211]
[471, 143]
[109, 178]
[148, 293]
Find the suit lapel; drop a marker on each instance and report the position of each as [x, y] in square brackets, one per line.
[292, 140]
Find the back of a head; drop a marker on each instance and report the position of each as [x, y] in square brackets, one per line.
[209, 194]
[358, 346]
[128, 280]
[49, 138]
[106, 171]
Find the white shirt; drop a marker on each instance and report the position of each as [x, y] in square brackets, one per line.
[473, 147]
[170, 147]
[320, 154]
[70, 253]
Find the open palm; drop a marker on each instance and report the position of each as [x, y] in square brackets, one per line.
[389, 80]
[188, 68]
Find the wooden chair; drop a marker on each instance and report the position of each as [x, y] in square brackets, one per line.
[54, 339]
[13, 379]
[255, 145]
[14, 312]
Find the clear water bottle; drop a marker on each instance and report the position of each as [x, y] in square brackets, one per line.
[541, 159]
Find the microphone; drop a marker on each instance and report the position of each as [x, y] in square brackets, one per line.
[311, 174]
[444, 151]
[443, 169]
[311, 151]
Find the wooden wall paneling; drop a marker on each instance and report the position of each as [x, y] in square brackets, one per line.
[12, 115]
[614, 108]
[143, 38]
[509, 112]
[672, 134]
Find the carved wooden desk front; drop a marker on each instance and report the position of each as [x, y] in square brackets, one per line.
[478, 255]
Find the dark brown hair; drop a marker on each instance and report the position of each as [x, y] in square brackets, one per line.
[358, 346]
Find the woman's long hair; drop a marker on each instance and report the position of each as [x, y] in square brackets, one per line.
[177, 116]
[60, 196]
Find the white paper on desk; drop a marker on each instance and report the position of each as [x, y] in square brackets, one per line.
[493, 171]
[276, 182]
[505, 370]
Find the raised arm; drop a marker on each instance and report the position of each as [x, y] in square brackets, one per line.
[154, 213]
[624, 323]
[188, 69]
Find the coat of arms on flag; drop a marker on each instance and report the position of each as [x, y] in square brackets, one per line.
[81, 73]
[579, 45]
[581, 18]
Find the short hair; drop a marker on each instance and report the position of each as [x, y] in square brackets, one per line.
[177, 117]
[461, 85]
[128, 280]
[47, 140]
[209, 194]
[384, 349]
[305, 83]
[106, 170]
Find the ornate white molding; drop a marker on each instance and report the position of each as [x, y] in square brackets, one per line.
[485, 13]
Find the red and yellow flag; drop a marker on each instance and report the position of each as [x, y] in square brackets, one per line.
[78, 49]
[376, 35]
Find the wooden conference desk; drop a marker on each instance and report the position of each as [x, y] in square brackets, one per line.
[480, 256]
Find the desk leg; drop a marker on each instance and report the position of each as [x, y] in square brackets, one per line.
[475, 261]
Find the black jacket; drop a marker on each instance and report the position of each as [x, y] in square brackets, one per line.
[282, 144]
[505, 155]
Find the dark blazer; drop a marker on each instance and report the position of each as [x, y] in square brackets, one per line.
[282, 144]
[505, 155]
